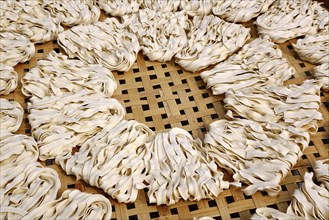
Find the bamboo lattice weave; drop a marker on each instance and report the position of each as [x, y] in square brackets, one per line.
[163, 96]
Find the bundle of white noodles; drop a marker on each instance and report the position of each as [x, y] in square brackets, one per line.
[15, 48]
[161, 35]
[108, 43]
[259, 63]
[260, 156]
[72, 12]
[309, 202]
[293, 105]
[24, 184]
[28, 18]
[26, 187]
[8, 79]
[119, 7]
[240, 10]
[178, 169]
[17, 150]
[11, 115]
[211, 40]
[314, 48]
[161, 5]
[112, 160]
[58, 75]
[290, 19]
[197, 7]
[321, 73]
[62, 122]
[74, 205]
[321, 168]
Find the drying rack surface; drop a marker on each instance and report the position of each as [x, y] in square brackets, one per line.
[163, 96]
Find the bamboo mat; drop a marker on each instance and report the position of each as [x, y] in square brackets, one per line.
[163, 96]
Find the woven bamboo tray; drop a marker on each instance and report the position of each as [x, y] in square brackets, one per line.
[163, 96]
